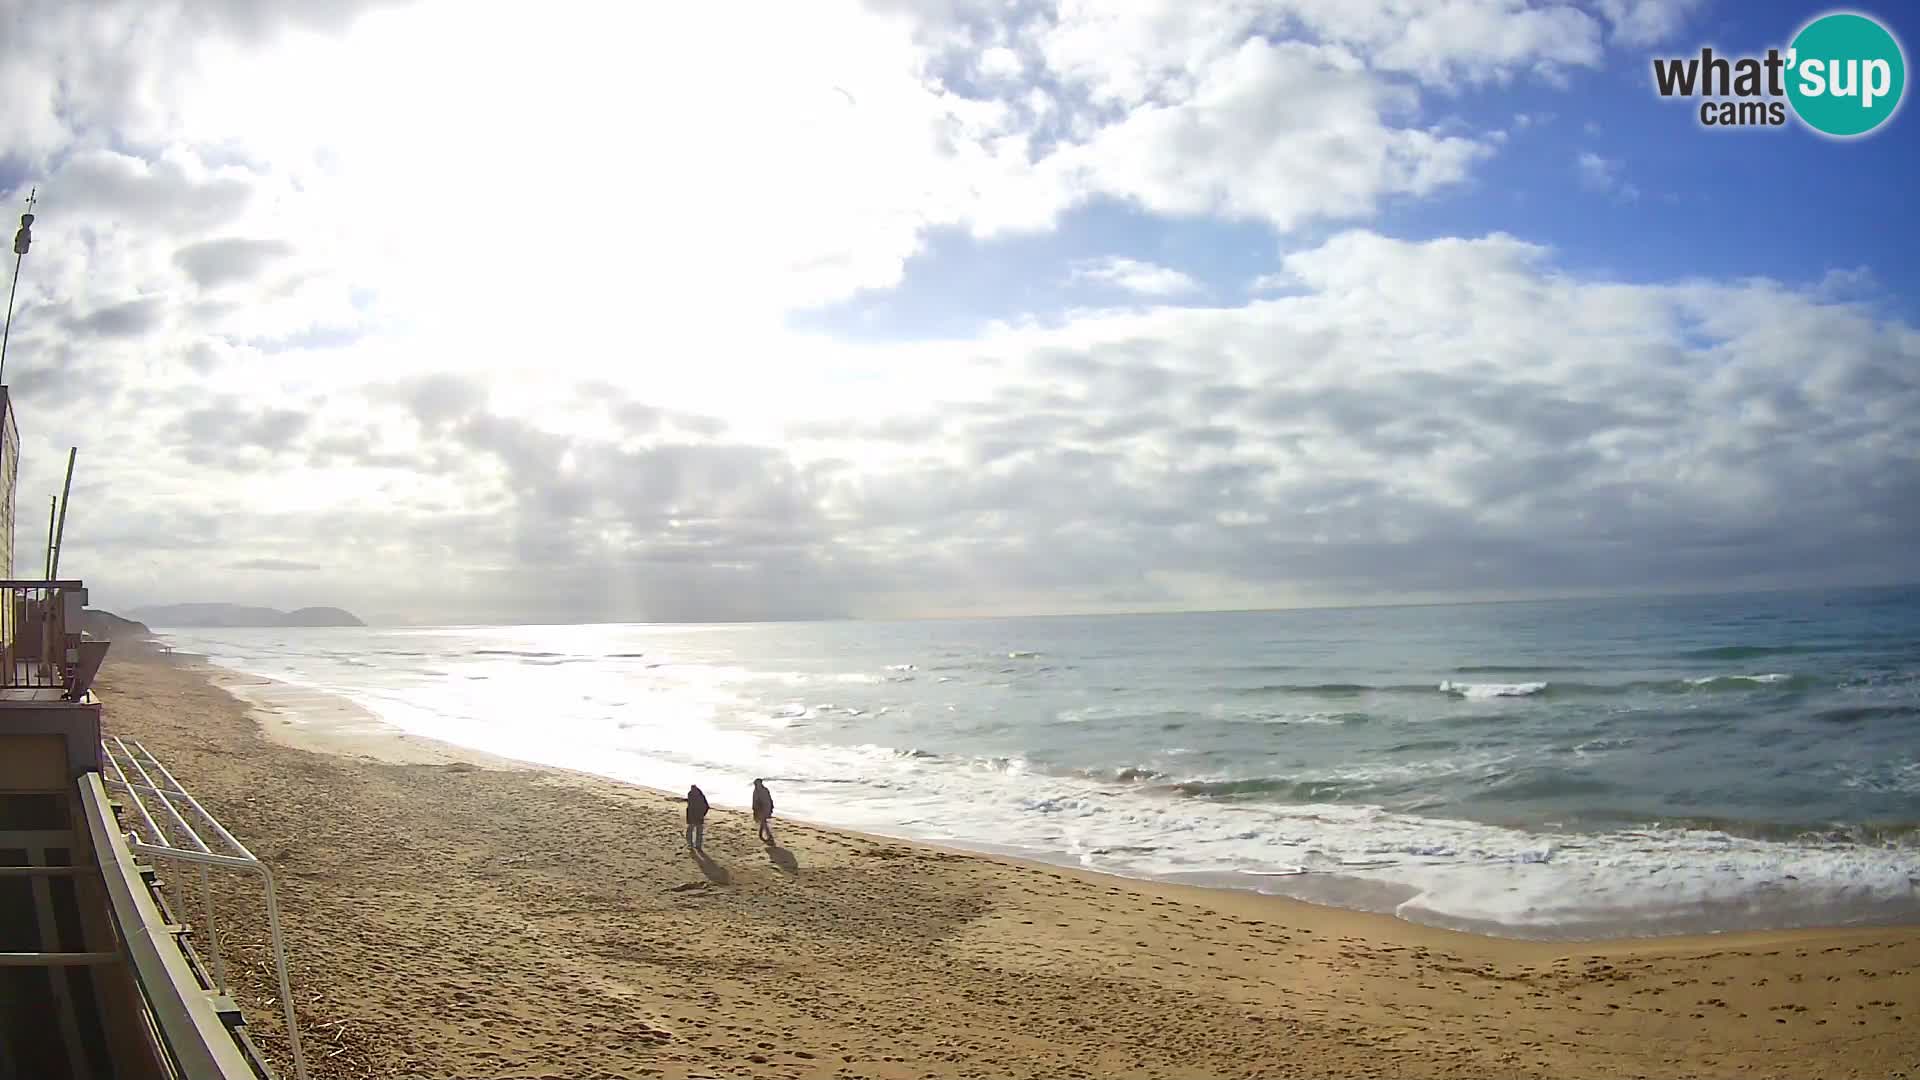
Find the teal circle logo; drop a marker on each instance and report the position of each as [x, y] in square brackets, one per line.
[1846, 74]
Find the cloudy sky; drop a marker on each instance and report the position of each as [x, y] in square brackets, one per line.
[457, 311]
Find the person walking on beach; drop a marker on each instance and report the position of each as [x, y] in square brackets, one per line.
[763, 810]
[696, 818]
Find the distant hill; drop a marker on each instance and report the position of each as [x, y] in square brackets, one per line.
[184, 615]
[107, 626]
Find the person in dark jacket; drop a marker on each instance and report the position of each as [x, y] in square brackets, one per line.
[696, 817]
[763, 810]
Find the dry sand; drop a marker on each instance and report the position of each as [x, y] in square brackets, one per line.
[453, 916]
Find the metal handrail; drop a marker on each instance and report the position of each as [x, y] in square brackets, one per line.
[183, 1014]
[158, 844]
[206, 886]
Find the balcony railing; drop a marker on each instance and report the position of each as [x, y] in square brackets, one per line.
[43, 648]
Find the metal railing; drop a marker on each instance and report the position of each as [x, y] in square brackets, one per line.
[40, 633]
[137, 774]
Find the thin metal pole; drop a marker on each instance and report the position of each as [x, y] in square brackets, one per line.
[19, 255]
[60, 533]
[7, 331]
[213, 932]
[163, 851]
[280, 968]
[53, 507]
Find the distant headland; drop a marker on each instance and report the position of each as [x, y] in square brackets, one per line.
[238, 615]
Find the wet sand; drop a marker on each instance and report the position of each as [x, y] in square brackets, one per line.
[453, 915]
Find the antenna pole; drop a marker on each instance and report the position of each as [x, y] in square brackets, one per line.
[53, 507]
[60, 531]
[22, 240]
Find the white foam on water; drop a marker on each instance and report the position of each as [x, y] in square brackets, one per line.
[1244, 714]
[1764, 680]
[1482, 691]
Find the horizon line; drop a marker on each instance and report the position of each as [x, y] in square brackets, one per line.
[968, 617]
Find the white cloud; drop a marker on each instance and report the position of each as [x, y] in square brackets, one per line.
[1606, 175]
[999, 62]
[1157, 50]
[1282, 133]
[1135, 276]
[1472, 42]
[1648, 22]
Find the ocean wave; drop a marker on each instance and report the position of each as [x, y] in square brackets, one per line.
[1316, 718]
[1324, 690]
[1362, 787]
[1418, 745]
[1778, 681]
[1537, 688]
[1541, 781]
[1130, 774]
[528, 654]
[1765, 680]
[1481, 691]
[1900, 835]
[1262, 788]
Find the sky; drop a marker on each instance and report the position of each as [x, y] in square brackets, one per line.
[475, 312]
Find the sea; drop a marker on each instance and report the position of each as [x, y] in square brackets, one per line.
[1570, 769]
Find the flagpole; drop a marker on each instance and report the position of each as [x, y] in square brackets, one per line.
[47, 563]
[21, 241]
[60, 531]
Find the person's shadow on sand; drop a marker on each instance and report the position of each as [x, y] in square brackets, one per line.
[716, 873]
[783, 858]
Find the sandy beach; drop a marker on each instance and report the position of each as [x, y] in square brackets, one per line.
[452, 915]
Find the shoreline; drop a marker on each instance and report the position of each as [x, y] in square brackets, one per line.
[331, 723]
[448, 918]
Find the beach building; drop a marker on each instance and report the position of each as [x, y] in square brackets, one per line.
[101, 973]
